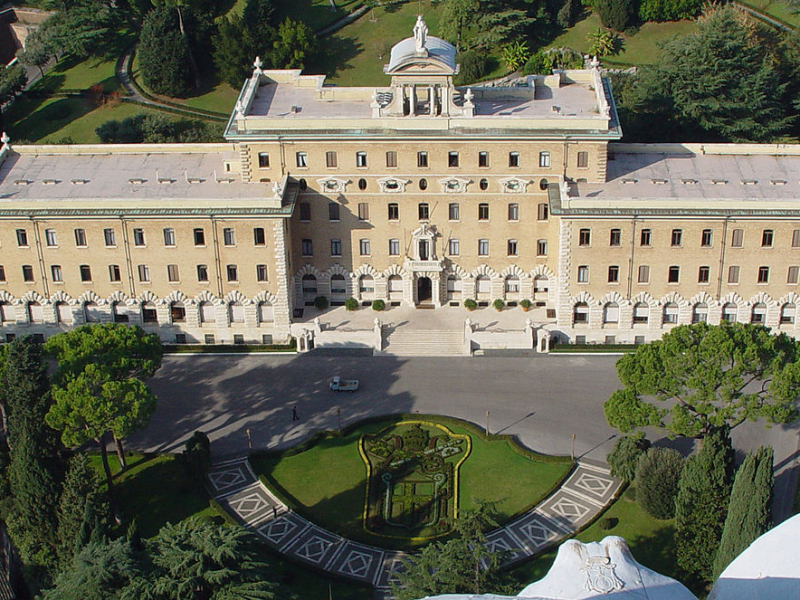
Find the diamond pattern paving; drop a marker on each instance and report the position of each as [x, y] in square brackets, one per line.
[229, 478]
[596, 486]
[359, 562]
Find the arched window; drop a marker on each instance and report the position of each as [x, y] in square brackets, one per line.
[512, 284]
[730, 312]
[35, 313]
[63, 313]
[236, 312]
[395, 287]
[580, 313]
[208, 313]
[611, 313]
[149, 313]
[454, 287]
[91, 312]
[7, 313]
[541, 283]
[483, 287]
[309, 285]
[700, 313]
[366, 284]
[118, 313]
[266, 312]
[177, 312]
[759, 314]
[641, 313]
[670, 313]
[338, 287]
[788, 311]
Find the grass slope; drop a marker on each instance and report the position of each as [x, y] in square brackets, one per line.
[777, 9]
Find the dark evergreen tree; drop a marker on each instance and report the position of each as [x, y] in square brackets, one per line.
[259, 18]
[76, 506]
[616, 14]
[163, 54]
[750, 509]
[624, 458]
[234, 51]
[657, 481]
[568, 13]
[294, 45]
[701, 506]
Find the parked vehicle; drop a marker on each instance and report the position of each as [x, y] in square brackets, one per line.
[343, 385]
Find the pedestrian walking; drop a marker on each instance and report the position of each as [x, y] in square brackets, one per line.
[294, 414]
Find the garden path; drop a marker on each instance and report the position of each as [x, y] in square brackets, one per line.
[583, 495]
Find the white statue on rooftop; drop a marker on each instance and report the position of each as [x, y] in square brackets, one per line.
[257, 64]
[420, 34]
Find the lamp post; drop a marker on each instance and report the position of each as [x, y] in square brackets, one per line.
[339, 418]
[487, 423]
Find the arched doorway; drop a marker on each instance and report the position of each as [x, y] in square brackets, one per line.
[424, 289]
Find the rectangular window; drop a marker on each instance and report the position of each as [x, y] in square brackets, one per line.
[796, 238]
[305, 211]
[263, 160]
[674, 274]
[172, 274]
[363, 211]
[232, 271]
[138, 237]
[2, 273]
[583, 160]
[229, 236]
[644, 274]
[114, 274]
[199, 237]
[615, 238]
[80, 238]
[394, 247]
[733, 274]
[452, 159]
[454, 247]
[333, 211]
[705, 238]
[766, 238]
[336, 247]
[512, 247]
[22, 237]
[737, 238]
[361, 159]
[302, 159]
[763, 274]
[483, 247]
[27, 273]
[306, 248]
[394, 212]
[202, 273]
[391, 159]
[483, 160]
[453, 213]
[645, 238]
[261, 273]
[513, 211]
[144, 273]
[541, 248]
[542, 212]
[583, 274]
[110, 237]
[483, 212]
[677, 237]
[169, 236]
[422, 160]
[57, 275]
[331, 160]
[50, 237]
[513, 159]
[544, 160]
[613, 274]
[703, 275]
[423, 211]
[792, 275]
[584, 237]
[363, 247]
[259, 236]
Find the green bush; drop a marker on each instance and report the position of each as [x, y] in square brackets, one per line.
[538, 64]
[616, 14]
[470, 304]
[499, 304]
[473, 67]
[525, 303]
[624, 458]
[321, 303]
[568, 13]
[197, 453]
[669, 10]
[378, 305]
[351, 304]
[607, 523]
[657, 481]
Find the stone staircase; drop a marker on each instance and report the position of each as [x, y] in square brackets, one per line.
[429, 342]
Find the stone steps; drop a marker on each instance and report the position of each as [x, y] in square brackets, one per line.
[424, 343]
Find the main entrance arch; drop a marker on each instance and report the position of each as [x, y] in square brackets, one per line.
[424, 289]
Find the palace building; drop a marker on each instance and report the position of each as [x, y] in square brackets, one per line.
[419, 193]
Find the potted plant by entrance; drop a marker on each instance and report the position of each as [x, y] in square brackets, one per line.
[525, 304]
[321, 303]
[378, 305]
[470, 304]
[351, 304]
[499, 304]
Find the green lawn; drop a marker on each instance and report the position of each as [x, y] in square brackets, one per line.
[650, 540]
[778, 9]
[639, 49]
[327, 482]
[317, 14]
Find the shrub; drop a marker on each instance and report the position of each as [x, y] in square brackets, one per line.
[197, 453]
[470, 304]
[624, 458]
[615, 14]
[607, 523]
[473, 67]
[525, 303]
[669, 10]
[564, 58]
[538, 64]
[657, 481]
[499, 304]
[321, 303]
[568, 13]
[378, 305]
[351, 304]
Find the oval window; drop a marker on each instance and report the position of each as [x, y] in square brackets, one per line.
[423, 184]
[543, 184]
[303, 184]
[392, 185]
[362, 184]
[484, 184]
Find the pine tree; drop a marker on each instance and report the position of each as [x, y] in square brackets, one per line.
[163, 54]
[702, 503]
[657, 481]
[749, 512]
[80, 485]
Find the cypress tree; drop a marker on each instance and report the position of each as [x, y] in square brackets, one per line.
[657, 481]
[750, 509]
[701, 506]
[80, 484]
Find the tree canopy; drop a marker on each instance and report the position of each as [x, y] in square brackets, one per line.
[708, 377]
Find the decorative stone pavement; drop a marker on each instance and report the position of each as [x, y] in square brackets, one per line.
[587, 489]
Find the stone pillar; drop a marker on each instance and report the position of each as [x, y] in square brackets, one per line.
[432, 100]
[468, 336]
[283, 304]
[436, 289]
[445, 101]
[377, 331]
[412, 100]
[530, 333]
